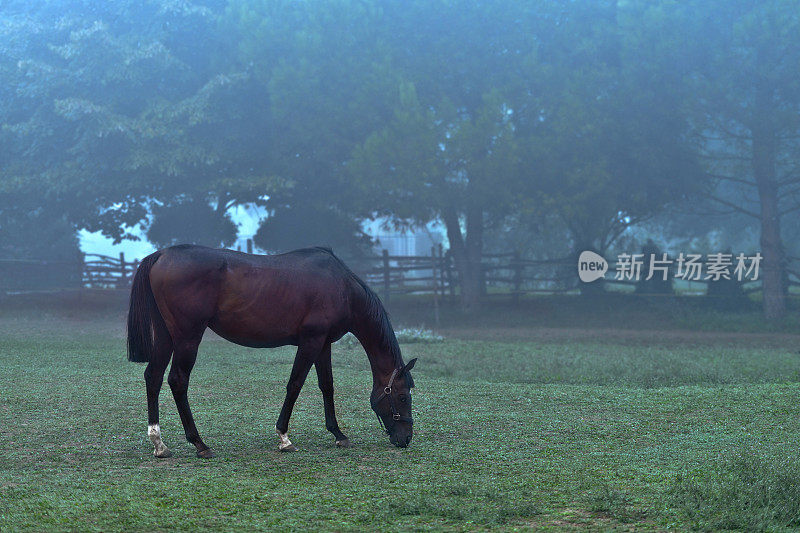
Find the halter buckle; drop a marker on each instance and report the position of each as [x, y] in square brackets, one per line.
[387, 390]
[396, 416]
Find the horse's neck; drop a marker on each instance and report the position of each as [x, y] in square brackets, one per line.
[381, 361]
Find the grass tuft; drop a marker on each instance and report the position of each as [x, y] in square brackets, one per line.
[747, 492]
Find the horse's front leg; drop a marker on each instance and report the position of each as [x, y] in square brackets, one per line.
[307, 353]
[325, 379]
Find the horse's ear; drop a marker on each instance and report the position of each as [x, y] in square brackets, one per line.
[409, 365]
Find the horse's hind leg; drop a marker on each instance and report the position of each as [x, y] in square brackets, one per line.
[153, 378]
[325, 379]
[182, 364]
[307, 353]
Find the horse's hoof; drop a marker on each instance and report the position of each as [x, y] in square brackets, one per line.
[163, 454]
[206, 454]
[344, 443]
[289, 448]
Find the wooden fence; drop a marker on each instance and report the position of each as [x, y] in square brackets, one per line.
[389, 275]
[509, 274]
[91, 271]
[103, 271]
[436, 274]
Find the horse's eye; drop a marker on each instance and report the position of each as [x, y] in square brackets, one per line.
[403, 398]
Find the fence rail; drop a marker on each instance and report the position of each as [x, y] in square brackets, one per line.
[388, 274]
[103, 271]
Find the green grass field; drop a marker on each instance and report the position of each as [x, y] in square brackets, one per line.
[523, 422]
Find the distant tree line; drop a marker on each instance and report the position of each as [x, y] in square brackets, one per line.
[555, 125]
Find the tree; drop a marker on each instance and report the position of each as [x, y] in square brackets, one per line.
[551, 112]
[741, 62]
[438, 164]
[309, 225]
[190, 221]
[326, 80]
[605, 142]
[120, 105]
[448, 151]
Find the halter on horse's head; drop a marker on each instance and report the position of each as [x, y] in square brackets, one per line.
[392, 406]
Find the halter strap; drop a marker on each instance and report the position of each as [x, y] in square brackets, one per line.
[391, 379]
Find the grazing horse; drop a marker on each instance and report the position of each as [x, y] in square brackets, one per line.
[307, 298]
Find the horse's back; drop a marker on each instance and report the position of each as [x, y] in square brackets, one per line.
[255, 300]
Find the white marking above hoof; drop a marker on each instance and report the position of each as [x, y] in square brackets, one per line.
[159, 449]
[285, 444]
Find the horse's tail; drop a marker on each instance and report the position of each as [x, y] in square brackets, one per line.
[143, 311]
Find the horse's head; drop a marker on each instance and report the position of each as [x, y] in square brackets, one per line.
[392, 403]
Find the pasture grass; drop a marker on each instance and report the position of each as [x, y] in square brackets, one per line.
[519, 426]
[744, 492]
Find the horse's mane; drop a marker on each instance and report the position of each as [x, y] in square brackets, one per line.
[378, 315]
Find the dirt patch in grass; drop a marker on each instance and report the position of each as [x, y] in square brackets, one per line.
[581, 520]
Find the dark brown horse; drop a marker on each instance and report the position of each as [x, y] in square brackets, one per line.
[307, 298]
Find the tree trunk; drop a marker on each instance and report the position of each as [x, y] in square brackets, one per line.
[473, 288]
[467, 252]
[772, 269]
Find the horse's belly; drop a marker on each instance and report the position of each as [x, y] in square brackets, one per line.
[254, 332]
[255, 342]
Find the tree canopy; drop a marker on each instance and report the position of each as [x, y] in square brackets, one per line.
[584, 118]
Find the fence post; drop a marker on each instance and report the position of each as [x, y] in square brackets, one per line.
[517, 266]
[482, 274]
[386, 275]
[433, 272]
[435, 287]
[81, 270]
[123, 274]
[448, 260]
[249, 246]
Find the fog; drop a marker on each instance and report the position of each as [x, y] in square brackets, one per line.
[508, 137]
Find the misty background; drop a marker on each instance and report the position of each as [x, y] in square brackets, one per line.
[538, 129]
